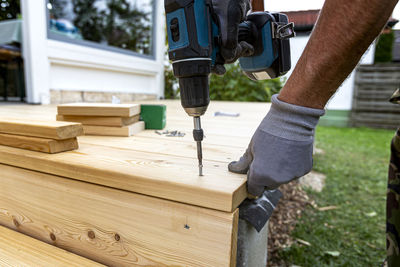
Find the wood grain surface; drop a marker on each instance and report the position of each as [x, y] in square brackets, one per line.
[165, 176]
[40, 128]
[153, 164]
[115, 227]
[99, 109]
[100, 120]
[17, 249]
[126, 131]
[38, 144]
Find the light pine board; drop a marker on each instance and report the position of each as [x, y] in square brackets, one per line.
[99, 120]
[99, 109]
[222, 154]
[40, 128]
[126, 131]
[152, 157]
[17, 249]
[115, 227]
[165, 176]
[38, 144]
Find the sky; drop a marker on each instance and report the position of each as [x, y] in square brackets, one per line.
[293, 5]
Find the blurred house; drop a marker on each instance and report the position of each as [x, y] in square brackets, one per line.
[91, 50]
[339, 107]
[396, 46]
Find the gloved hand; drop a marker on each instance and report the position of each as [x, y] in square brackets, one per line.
[230, 13]
[281, 148]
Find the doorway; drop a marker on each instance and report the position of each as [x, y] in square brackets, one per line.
[12, 84]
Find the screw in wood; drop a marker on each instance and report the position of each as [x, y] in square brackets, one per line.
[52, 236]
[91, 234]
[186, 226]
[117, 237]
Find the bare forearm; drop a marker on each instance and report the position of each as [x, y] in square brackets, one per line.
[343, 32]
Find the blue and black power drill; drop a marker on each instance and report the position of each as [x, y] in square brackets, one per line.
[194, 41]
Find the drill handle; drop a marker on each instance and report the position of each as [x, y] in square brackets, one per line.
[249, 33]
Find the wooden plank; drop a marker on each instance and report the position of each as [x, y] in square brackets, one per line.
[99, 109]
[238, 143]
[162, 145]
[17, 249]
[127, 131]
[377, 106]
[165, 176]
[40, 128]
[100, 121]
[38, 144]
[168, 161]
[115, 227]
[381, 67]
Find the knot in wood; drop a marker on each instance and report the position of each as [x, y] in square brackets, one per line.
[15, 222]
[117, 237]
[91, 234]
[52, 236]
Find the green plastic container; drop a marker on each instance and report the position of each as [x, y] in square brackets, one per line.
[154, 116]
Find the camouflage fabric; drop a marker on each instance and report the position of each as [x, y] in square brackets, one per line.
[393, 206]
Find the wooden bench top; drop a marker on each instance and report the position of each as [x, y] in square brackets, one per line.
[153, 164]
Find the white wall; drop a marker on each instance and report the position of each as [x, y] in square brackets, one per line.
[34, 51]
[342, 100]
[57, 65]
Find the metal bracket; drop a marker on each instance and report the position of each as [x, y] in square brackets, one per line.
[283, 31]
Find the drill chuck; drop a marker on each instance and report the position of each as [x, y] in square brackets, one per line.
[193, 74]
[194, 94]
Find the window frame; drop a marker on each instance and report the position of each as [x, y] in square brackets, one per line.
[91, 44]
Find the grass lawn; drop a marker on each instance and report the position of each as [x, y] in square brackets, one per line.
[356, 164]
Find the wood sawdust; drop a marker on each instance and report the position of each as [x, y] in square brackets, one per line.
[284, 219]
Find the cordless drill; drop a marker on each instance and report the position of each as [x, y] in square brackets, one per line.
[194, 44]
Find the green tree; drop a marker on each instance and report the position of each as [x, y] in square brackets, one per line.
[115, 22]
[128, 27]
[9, 9]
[120, 24]
[89, 20]
[171, 90]
[384, 47]
[58, 8]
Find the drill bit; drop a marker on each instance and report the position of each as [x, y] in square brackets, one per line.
[198, 137]
[200, 157]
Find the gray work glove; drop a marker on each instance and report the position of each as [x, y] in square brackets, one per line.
[281, 148]
[229, 14]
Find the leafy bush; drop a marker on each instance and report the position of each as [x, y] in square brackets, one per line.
[383, 50]
[236, 86]
[10, 9]
[233, 86]
[171, 90]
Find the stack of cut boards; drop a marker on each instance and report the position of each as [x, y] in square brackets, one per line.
[103, 118]
[40, 135]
